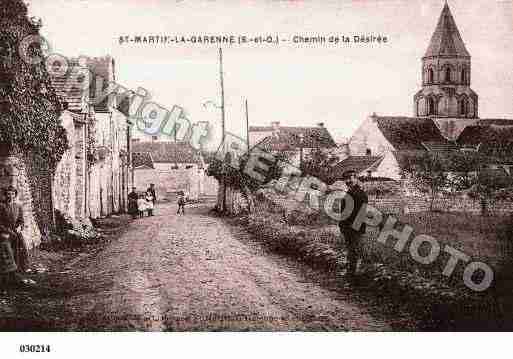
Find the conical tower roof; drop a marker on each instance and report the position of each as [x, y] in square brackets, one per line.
[446, 40]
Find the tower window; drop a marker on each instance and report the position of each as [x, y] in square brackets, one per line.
[431, 76]
[463, 107]
[464, 76]
[447, 74]
[431, 106]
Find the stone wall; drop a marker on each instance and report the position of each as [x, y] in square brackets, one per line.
[99, 183]
[64, 181]
[415, 204]
[13, 172]
[40, 179]
[81, 206]
[168, 181]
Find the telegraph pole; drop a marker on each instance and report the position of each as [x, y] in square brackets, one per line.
[223, 183]
[222, 95]
[247, 124]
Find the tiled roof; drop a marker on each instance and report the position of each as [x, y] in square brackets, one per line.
[409, 133]
[169, 152]
[493, 141]
[437, 146]
[355, 163]
[260, 128]
[142, 159]
[69, 90]
[495, 121]
[290, 138]
[446, 39]
[101, 69]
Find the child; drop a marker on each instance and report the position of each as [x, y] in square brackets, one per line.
[149, 203]
[141, 205]
[181, 203]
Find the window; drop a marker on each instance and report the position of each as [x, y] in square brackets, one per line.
[447, 74]
[154, 138]
[368, 152]
[188, 167]
[431, 106]
[431, 76]
[463, 106]
[464, 76]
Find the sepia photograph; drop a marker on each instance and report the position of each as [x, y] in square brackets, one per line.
[255, 166]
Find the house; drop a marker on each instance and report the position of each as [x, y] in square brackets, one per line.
[92, 178]
[171, 166]
[144, 170]
[109, 171]
[293, 142]
[70, 182]
[445, 115]
[364, 166]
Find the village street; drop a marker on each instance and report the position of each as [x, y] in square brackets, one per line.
[195, 272]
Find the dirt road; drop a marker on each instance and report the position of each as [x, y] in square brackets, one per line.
[194, 272]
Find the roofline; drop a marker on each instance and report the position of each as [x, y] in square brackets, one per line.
[270, 128]
[446, 57]
[180, 162]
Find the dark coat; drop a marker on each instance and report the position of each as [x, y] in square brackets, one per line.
[153, 193]
[360, 199]
[11, 216]
[132, 202]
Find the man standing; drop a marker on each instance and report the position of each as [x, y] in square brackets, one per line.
[356, 197]
[11, 226]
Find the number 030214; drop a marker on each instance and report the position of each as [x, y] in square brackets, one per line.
[40, 348]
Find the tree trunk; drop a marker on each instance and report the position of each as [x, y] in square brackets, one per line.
[249, 197]
[433, 193]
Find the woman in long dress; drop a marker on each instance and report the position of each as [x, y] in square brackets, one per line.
[132, 203]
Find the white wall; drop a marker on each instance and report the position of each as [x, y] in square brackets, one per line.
[64, 181]
[389, 167]
[368, 135]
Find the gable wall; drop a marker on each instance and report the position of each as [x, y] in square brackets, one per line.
[389, 167]
[369, 136]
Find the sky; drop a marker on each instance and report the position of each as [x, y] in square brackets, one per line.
[295, 84]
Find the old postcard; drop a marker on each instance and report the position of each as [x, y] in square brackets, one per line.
[306, 166]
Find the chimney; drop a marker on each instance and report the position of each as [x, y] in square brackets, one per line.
[275, 125]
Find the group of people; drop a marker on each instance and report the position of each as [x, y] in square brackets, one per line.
[14, 258]
[141, 203]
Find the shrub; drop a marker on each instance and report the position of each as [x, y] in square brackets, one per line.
[29, 106]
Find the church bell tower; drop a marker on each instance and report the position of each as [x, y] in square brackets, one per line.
[446, 76]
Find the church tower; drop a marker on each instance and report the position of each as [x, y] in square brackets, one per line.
[446, 88]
